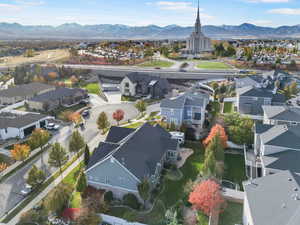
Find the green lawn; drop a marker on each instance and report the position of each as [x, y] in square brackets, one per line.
[93, 88]
[157, 63]
[232, 215]
[228, 107]
[209, 65]
[135, 125]
[173, 190]
[76, 200]
[235, 168]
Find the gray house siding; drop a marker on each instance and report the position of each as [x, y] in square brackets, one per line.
[110, 175]
[172, 115]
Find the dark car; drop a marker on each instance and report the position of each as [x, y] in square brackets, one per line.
[85, 113]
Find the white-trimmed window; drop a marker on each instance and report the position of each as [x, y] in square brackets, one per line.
[189, 113]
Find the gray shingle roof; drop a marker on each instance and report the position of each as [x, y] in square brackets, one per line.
[137, 77]
[272, 199]
[189, 99]
[282, 113]
[141, 152]
[56, 94]
[103, 150]
[283, 136]
[25, 90]
[19, 120]
[255, 92]
[261, 128]
[286, 160]
[116, 134]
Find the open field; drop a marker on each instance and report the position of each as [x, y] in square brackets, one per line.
[40, 57]
[213, 65]
[157, 63]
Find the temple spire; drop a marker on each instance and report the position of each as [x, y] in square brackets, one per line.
[198, 23]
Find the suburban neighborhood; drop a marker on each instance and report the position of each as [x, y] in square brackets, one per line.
[116, 124]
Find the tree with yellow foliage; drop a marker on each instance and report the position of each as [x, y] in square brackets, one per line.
[20, 152]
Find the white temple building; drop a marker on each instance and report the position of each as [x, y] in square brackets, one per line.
[197, 43]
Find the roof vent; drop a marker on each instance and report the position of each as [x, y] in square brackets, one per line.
[290, 179]
[283, 206]
[296, 197]
[295, 189]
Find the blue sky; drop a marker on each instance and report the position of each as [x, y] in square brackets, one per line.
[145, 12]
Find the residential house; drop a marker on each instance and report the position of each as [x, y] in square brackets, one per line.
[251, 99]
[254, 81]
[189, 108]
[276, 115]
[128, 156]
[22, 92]
[59, 97]
[143, 85]
[272, 200]
[14, 125]
[276, 148]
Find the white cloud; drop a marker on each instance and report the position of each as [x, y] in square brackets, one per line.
[30, 2]
[178, 6]
[268, 1]
[9, 7]
[285, 11]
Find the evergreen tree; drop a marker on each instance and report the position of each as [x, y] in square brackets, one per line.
[76, 143]
[86, 155]
[81, 184]
[209, 167]
[35, 177]
[103, 122]
[58, 156]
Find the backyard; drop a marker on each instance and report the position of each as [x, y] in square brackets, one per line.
[172, 190]
[228, 107]
[232, 215]
[209, 65]
[157, 63]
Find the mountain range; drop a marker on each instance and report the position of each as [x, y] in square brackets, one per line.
[108, 31]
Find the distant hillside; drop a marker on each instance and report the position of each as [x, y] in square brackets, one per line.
[108, 31]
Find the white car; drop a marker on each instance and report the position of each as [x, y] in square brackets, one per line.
[27, 190]
[52, 126]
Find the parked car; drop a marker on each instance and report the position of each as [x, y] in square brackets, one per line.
[52, 126]
[85, 113]
[27, 190]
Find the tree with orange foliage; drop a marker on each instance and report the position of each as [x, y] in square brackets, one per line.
[52, 75]
[20, 152]
[217, 129]
[75, 117]
[118, 115]
[207, 198]
[3, 166]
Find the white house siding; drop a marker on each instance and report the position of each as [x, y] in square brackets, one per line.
[247, 218]
[110, 175]
[131, 88]
[172, 115]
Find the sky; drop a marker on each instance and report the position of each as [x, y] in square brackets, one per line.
[145, 12]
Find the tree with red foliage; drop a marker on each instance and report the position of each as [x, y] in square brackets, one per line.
[217, 129]
[118, 115]
[206, 197]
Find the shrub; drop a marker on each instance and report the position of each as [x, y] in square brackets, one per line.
[108, 197]
[131, 201]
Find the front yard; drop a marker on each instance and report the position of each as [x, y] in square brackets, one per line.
[93, 88]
